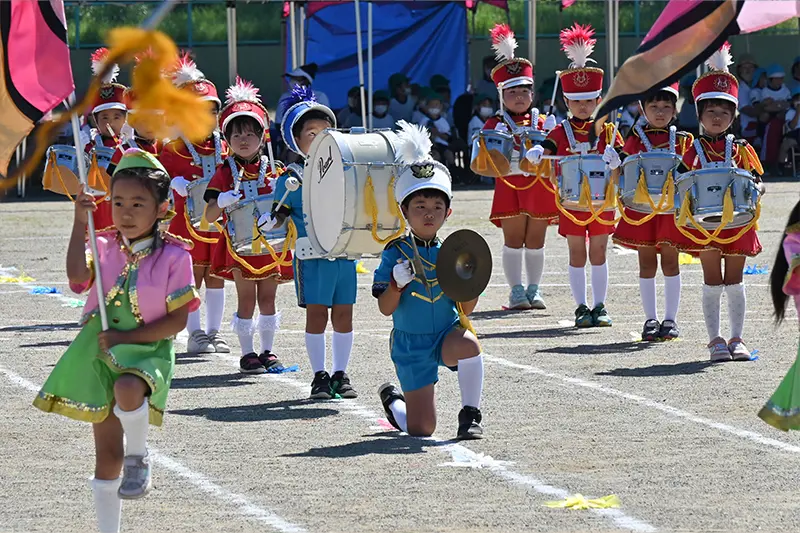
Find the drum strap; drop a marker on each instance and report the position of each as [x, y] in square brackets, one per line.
[648, 146]
[573, 145]
[673, 132]
[237, 176]
[701, 154]
[518, 130]
[729, 150]
[196, 157]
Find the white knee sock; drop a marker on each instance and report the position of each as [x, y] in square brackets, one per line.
[315, 346]
[534, 265]
[577, 283]
[267, 326]
[244, 330]
[107, 504]
[599, 283]
[672, 296]
[342, 344]
[647, 287]
[135, 424]
[193, 324]
[712, 296]
[512, 265]
[470, 381]
[215, 306]
[398, 409]
[737, 304]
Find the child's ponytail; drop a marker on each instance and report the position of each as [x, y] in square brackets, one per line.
[779, 271]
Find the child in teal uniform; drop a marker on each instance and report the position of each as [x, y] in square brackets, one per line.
[429, 331]
[321, 284]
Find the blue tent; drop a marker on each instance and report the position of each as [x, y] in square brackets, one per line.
[419, 39]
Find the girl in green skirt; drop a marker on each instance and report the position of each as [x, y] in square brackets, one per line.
[118, 379]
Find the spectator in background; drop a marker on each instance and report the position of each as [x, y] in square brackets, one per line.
[628, 118]
[381, 118]
[687, 117]
[431, 117]
[775, 98]
[745, 69]
[485, 85]
[752, 130]
[303, 75]
[483, 109]
[792, 137]
[441, 86]
[348, 115]
[402, 103]
[795, 81]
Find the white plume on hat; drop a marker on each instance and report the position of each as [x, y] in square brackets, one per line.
[187, 72]
[420, 170]
[504, 43]
[99, 62]
[415, 144]
[721, 59]
[242, 91]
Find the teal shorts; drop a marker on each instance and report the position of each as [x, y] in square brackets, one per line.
[417, 357]
[325, 282]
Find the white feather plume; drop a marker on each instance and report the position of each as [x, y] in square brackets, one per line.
[721, 59]
[504, 43]
[187, 72]
[98, 63]
[415, 144]
[242, 91]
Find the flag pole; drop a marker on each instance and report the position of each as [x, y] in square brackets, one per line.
[360, 64]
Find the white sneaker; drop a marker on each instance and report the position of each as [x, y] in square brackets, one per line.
[218, 343]
[137, 479]
[199, 343]
[719, 350]
[739, 351]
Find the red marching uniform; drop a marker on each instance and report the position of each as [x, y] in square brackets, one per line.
[178, 161]
[659, 230]
[742, 156]
[559, 144]
[224, 258]
[102, 216]
[517, 194]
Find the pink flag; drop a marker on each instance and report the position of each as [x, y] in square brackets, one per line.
[566, 3]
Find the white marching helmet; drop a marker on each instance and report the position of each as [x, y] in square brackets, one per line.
[420, 170]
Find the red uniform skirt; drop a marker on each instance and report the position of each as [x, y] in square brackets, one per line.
[658, 231]
[225, 260]
[747, 245]
[514, 196]
[204, 241]
[102, 216]
[567, 227]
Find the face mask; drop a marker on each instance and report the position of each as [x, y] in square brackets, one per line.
[434, 112]
[351, 102]
[485, 111]
[407, 90]
[381, 109]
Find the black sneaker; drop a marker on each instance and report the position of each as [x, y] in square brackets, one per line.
[250, 364]
[321, 386]
[669, 330]
[270, 361]
[600, 316]
[650, 331]
[583, 317]
[389, 393]
[340, 384]
[469, 424]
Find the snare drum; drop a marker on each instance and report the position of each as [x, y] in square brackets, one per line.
[495, 160]
[656, 167]
[104, 155]
[529, 139]
[338, 221]
[572, 170]
[243, 215]
[61, 169]
[196, 205]
[707, 189]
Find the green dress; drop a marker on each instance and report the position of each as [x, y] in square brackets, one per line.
[783, 408]
[81, 386]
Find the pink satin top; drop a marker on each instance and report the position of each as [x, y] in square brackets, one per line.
[791, 285]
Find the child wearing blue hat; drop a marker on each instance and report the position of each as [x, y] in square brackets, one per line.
[774, 103]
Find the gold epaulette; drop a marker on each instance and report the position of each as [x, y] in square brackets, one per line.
[176, 240]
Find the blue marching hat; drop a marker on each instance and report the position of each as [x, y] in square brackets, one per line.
[299, 102]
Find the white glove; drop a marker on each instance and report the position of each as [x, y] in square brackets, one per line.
[266, 222]
[501, 127]
[179, 184]
[550, 123]
[534, 155]
[611, 158]
[83, 139]
[402, 274]
[127, 133]
[228, 198]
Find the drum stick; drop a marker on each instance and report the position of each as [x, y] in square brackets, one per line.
[117, 140]
[555, 91]
[271, 156]
[292, 184]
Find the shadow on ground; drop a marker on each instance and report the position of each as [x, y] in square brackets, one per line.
[304, 409]
[384, 443]
[677, 369]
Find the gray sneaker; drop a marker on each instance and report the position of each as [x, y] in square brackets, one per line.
[199, 343]
[517, 298]
[218, 343]
[535, 297]
[136, 477]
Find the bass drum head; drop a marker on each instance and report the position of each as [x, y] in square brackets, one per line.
[323, 191]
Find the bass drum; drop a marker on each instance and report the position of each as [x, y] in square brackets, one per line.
[340, 169]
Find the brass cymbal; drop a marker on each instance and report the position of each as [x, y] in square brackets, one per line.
[464, 265]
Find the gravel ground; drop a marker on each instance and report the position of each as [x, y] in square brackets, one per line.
[592, 412]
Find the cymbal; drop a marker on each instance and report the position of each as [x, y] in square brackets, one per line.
[464, 265]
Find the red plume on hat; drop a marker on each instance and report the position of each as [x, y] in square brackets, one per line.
[243, 99]
[717, 83]
[186, 74]
[579, 81]
[512, 71]
[99, 57]
[111, 95]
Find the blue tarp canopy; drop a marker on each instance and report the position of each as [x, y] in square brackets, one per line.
[419, 39]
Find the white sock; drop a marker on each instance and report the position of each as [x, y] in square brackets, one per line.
[107, 504]
[577, 283]
[470, 381]
[737, 305]
[215, 306]
[712, 296]
[534, 265]
[647, 287]
[193, 324]
[135, 424]
[672, 296]
[512, 265]
[342, 345]
[267, 326]
[244, 330]
[599, 283]
[315, 346]
[398, 409]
